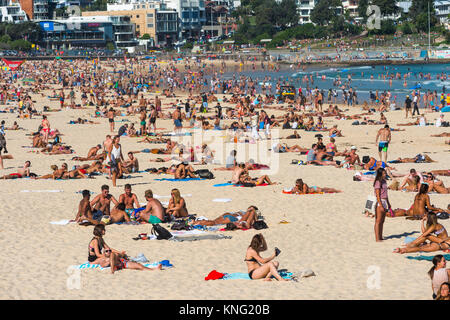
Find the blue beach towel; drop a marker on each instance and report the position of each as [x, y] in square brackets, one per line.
[244, 276]
[87, 265]
[427, 258]
[223, 184]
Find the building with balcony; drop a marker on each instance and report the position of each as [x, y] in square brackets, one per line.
[218, 20]
[95, 31]
[191, 14]
[11, 11]
[442, 9]
[304, 8]
[154, 19]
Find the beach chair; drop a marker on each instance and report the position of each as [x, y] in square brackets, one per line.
[370, 204]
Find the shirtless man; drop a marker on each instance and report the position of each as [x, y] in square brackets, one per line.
[384, 137]
[106, 146]
[184, 171]
[84, 208]
[237, 172]
[351, 158]
[153, 212]
[102, 203]
[129, 199]
[57, 173]
[92, 154]
[142, 117]
[247, 180]
[176, 116]
[409, 178]
[110, 116]
[132, 164]
[21, 172]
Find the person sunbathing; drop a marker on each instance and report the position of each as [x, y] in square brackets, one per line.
[283, 147]
[410, 123]
[371, 164]
[441, 172]
[258, 267]
[241, 176]
[92, 154]
[295, 135]
[413, 185]
[57, 149]
[417, 159]
[433, 232]
[38, 141]
[444, 134]
[56, 174]
[184, 171]
[157, 139]
[302, 188]
[120, 261]
[419, 208]
[438, 186]
[334, 132]
[240, 219]
[177, 205]
[21, 172]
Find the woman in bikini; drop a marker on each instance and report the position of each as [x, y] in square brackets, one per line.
[420, 206]
[45, 129]
[302, 188]
[258, 267]
[433, 232]
[119, 261]
[239, 219]
[177, 205]
[97, 245]
[383, 205]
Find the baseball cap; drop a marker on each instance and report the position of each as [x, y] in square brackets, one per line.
[353, 148]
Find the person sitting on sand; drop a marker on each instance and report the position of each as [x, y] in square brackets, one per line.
[239, 219]
[119, 261]
[154, 212]
[184, 171]
[131, 165]
[177, 205]
[258, 267]
[102, 202]
[129, 200]
[420, 206]
[245, 179]
[433, 232]
[98, 248]
[315, 156]
[334, 132]
[435, 184]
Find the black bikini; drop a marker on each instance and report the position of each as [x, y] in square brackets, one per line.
[251, 272]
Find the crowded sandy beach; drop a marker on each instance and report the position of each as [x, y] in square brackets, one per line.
[223, 185]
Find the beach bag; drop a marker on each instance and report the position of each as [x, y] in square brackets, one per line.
[258, 225]
[180, 226]
[442, 215]
[160, 232]
[204, 174]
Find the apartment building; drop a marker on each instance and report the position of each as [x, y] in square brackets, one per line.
[11, 11]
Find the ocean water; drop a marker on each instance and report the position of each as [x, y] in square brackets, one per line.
[363, 79]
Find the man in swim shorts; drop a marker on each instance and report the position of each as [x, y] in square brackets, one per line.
[154, 211]
[383, 139]
[129, 199]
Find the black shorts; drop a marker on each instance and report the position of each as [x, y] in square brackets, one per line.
[111, 120]
[152, 120]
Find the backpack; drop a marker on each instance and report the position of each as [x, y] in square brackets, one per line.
[204, 174]
[258, 225]
[161, 233]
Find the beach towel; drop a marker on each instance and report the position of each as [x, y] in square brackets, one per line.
[223, 184]
[50, 191]
[87, 265]
[62, 222]
[172, 179]
[214, 275]
[427, 258]
[245, 276]
[222, 200]
[204, 237]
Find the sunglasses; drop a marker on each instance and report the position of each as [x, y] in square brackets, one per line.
[107, 250]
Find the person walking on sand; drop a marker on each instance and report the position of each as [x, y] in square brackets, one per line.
[383, 139]
[111, 119]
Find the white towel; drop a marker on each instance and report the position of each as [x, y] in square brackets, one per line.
[42, 191]
[222, 200]
[62, 222]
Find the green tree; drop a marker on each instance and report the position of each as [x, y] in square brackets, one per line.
[418, 13]
[286, 13]
[362, 9]
[145, 36]
[324, 12]
[387, 7]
